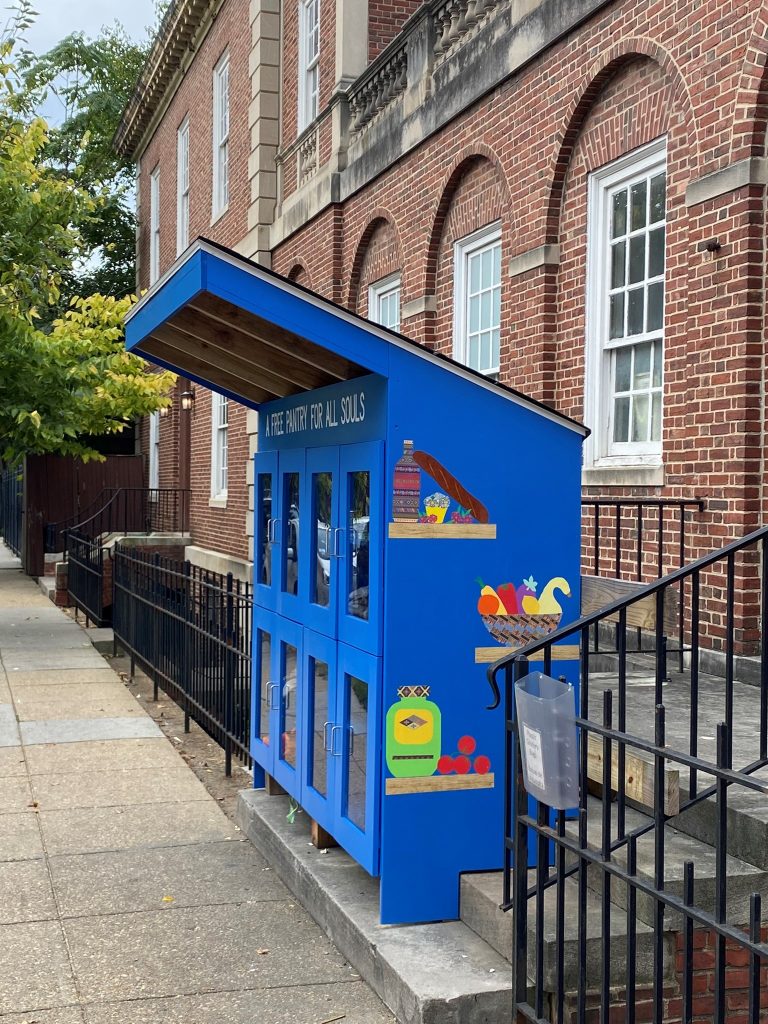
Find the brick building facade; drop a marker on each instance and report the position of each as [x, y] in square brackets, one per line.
[608, 158]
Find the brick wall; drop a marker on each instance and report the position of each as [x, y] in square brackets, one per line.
[385, 20]
[378, 256]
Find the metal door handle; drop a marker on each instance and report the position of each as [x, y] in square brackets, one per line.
[272, 688]
[269, 529]
[334, 730]
[351, 740]
[273, 538]
[325, 735]
[336, 548]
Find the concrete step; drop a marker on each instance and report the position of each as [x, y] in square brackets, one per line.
[426, 974]
[743, 878]
[481, 896]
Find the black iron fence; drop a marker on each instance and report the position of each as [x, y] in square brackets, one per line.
[604, 865]
[190, 630]
[11, 507]
[124, 510]
[89, 587]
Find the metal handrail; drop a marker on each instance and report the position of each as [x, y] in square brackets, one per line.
[614, 607]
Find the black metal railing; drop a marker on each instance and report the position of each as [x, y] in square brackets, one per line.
[190, 630]
[124, 510]
[638, 540]
[90, 592]
[579, 866]
[11, 507]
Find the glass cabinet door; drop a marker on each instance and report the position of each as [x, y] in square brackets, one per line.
[292, 547]
[319, 660]
[289, 710]
[265, 518]
[322, 476]
[263, 687]
[355, 746]
[360, 545]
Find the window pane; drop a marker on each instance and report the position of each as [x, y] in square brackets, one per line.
[265, 655]
[656, 418]
[617, 316]
[618, 262]
[496, 310]
[288, 702]
[623, 369]
[656, 252]
[357, 763]
[320, 716]
[658, 197]
[657, 364]
[636, 303]
[621, 420]
[474, 315]
[496, 264]
[619, 217]
[474, 274]
[473, 355]
[640, 418]
[485, 311]
[265, 520]
[322, 493]
[358, 532]
[291, 534]
[485, 350]
[639, 198]
[495, 347]
[486, 276]
[655, 306]
[642, 370]
[637, 259]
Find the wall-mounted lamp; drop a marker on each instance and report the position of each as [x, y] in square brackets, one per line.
[712, 246]
[164, 411]
[187, 400]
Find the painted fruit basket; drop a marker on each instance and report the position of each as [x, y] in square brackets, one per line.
[518, 630]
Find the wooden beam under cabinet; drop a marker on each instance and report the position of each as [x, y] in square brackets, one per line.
[560, 652]
[442, 531]
[439, 784]
[639, 776]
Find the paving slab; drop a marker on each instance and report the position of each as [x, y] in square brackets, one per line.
[352, 1003]
[9, 728]
[75, 693]
[85, 830]
[120, 705]
[34, 967]
[25, 892]
[128, 956]
[66, 1015]
[20, 837]
[61, 676]
[164, 879]
[31, 661]
[74, 730]
[117, 788]
[15, 796]
[12, 762]
[104, 755]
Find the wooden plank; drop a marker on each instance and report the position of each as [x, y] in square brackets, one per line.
[276, 337]
[154, 346]
[598, 591]
[320, 838]
[296, 376]
[272, 787]
[442, 531]
[560, 652]
[639, 776]
[439, 784]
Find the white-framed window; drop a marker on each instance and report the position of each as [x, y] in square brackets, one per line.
[219, 445]
[154, 225]
[309, 58]
[624, 376]
[221, 136]
[154, 450]
[477, 299]
[384, 302]
[182, 187]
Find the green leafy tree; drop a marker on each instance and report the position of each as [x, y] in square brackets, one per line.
[74, 378]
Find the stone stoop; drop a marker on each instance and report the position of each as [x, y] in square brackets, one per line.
[442, 973]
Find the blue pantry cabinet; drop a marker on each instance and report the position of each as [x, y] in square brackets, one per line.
[413, 522]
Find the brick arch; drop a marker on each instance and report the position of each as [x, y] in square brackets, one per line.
[380, 220]
[605, 69]
[462, 164]
[299, 273]
[749, 134]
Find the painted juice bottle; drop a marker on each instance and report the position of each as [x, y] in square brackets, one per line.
[406, 496]
[414, 728]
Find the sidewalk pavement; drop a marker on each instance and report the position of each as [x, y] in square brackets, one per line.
[126, 895]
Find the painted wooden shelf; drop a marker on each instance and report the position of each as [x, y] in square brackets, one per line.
[439, 784]
[560, 652]
[442, 531]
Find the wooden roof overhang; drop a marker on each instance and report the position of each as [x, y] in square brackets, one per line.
[239, 329]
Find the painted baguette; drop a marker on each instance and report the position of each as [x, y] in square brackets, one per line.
[448, 482]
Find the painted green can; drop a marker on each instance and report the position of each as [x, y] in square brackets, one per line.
[413, 734]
